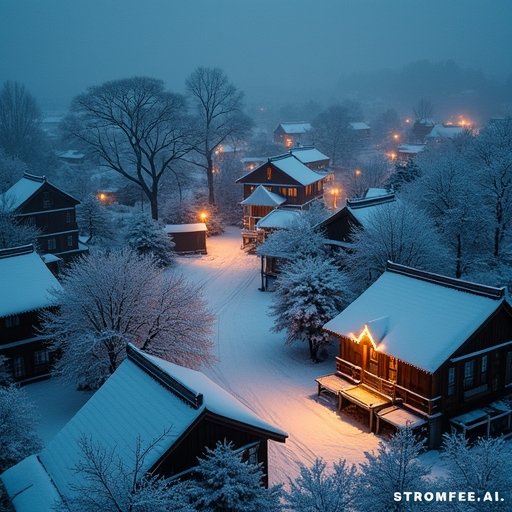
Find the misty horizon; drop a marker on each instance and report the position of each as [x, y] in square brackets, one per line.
[275, 52]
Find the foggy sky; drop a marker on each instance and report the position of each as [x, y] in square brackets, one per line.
[59, 47]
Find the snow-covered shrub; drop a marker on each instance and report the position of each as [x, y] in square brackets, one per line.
[309, 292]
[146, 236]
[14, 232]
[484, 466]
[110, 298]
[225, 483]
[394, 468]
[319, 490]
[18, 420]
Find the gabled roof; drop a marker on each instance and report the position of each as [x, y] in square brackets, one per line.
[308, 154]
[361, 209]
[445, 131]
[290, 165]
[418, 317]
[145, 396]
[263, 197]
[26, 282]
[280, 218]
[25, 188]
[294, 128]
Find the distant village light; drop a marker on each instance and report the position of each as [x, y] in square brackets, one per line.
[396, 136]
[102, 196]
[334, 192]
[358, 172]
[203, 216]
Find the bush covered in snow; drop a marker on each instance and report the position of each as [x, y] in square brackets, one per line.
[146, 236]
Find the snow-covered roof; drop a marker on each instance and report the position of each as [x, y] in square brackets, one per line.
[375, 192]
[359, 125]
[292, 166]
[26, 281]
[30, 487]
[362, 209]
[444, 131]
[280, 218]
[185, 228]
[411, 148]
[417, 317]
[292, 128]
[144, 396]
[308, 154]
[263, 197]
[22, 190]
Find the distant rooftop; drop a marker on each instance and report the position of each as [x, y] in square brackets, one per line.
[295, 127]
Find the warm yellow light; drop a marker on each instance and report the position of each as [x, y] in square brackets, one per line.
[396, 136]
[334, 191]
[358, 172]
[203, 216]
[103, 196]
[364, 333]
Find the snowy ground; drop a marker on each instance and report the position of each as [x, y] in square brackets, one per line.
[254, 364]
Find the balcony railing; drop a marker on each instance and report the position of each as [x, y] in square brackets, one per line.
[398, 393]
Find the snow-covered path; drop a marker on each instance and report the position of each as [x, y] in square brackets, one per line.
[254, 364]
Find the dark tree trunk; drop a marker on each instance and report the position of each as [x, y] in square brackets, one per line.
[209, 176]
[458, 268]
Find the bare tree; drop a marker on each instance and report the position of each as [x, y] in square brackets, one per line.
[13, 231]
[423, 109]
[110, 298]
[20, 117]
[104, 481]
[136, 128]
[218, 104]
[333, 133]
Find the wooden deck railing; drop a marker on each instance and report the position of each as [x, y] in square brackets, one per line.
[398, 393]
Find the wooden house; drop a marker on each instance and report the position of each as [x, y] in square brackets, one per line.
[145, 397]
[291, 134]
[34, 200]
[188, 238]
[286, 181]
[427, 351]
[340, 226]
[361, 132]
[26, 284]
[406, 152]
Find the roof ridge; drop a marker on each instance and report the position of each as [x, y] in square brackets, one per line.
[16, 251]
[176, 387]
[370, 201]
[34, 177]
[483, 290]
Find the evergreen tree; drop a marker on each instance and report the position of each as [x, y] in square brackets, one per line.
[394, 468]
[225, 483]
[403, 174]
[146, 236]
[309, 292]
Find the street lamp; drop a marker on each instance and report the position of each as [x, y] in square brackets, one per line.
[203, 216]
[334, 193]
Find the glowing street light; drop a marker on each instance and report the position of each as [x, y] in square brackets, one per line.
[358, 172]
[334, 192]
[396, 136]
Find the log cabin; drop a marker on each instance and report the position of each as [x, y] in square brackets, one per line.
[26, 286]
[427, 351]
[143, 398]
[36, 201]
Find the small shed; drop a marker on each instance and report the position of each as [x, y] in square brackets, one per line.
[189, 238]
